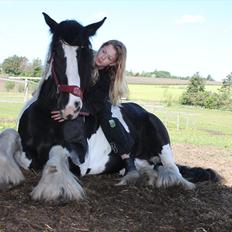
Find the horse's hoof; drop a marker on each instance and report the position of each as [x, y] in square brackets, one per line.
[5, 186]
[129, 179]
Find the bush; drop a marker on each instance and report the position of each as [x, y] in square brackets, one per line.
[212, 100]
[9, 85]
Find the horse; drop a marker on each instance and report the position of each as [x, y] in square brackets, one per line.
[66, 77]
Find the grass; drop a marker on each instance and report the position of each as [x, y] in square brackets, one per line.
[198, 126]
[188, 125]
[8, 114]
[160, 93]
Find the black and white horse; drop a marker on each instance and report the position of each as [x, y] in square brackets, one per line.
[66, 77]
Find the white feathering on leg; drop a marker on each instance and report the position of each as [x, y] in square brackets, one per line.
[57, 181]
[168, 174]
[10, 144]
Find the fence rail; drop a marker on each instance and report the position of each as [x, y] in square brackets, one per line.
[27, 82]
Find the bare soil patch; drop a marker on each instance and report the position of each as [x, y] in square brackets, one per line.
[130, 208]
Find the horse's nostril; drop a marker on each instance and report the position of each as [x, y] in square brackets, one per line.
[69, 117]
[77, 105]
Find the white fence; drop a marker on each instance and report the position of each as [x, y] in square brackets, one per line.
[20, 80]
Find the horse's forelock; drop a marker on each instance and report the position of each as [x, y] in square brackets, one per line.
[72, 32]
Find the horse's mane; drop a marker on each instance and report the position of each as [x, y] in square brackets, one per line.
[45, 75]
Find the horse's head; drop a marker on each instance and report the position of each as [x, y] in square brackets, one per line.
[69, 66]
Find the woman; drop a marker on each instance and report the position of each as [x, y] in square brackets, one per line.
[109, 85]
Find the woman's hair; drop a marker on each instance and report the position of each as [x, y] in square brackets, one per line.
[118, 86]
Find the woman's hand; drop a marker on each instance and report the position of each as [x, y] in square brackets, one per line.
[56, 115]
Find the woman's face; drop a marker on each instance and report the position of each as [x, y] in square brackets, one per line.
[106, 56]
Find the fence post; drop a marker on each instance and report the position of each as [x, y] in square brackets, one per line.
[26, 87]
[178, 121]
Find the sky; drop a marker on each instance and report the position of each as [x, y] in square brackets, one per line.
[179, 36]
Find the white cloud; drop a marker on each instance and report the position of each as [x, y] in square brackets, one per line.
[190, 19]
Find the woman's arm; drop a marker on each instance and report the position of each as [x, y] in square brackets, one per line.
[99, 93]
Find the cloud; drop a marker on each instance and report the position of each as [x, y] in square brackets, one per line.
[190, 19]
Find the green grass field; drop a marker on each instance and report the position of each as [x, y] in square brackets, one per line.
[160, 93]
[188, 125]
[193, 125]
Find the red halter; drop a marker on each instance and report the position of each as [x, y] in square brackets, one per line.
[73, 89]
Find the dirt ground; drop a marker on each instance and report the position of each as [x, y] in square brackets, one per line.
[129, 209]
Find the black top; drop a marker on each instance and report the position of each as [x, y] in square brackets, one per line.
[98, 93]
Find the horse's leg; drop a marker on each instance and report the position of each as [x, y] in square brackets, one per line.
[10, 148]
[22, 160]
[129, 177]
[57, 182]
[10, 173]
[75, 140]
[148, 168]
[168, 173]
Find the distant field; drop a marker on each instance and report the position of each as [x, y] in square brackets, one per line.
[160, 93]
[163, 81]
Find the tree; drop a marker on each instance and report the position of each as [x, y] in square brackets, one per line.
[197, 84]
[37, 68]
[226, 93]
[227, 83]
[14, 65]
[209, 78]
[195, 92]
[163, 74]
[19, 66]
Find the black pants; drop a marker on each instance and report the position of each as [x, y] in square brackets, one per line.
[121, 142]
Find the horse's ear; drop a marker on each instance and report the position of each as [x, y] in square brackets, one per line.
[50, 22]
[91, 29]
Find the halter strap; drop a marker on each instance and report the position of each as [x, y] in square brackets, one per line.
[73, 89]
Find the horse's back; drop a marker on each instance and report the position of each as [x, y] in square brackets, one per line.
[137, 113]
[149, 132]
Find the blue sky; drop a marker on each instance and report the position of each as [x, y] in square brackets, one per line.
[179, 36]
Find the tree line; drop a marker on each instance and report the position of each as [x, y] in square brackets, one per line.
[163, 74]
[195, 93]
[20, 66]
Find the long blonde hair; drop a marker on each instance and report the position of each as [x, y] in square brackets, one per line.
[118, 86]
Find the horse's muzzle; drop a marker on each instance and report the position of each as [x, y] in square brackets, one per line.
[71, 112]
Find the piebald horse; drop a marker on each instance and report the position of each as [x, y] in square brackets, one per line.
[66, 77]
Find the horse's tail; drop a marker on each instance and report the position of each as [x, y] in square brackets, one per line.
[198, 174]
